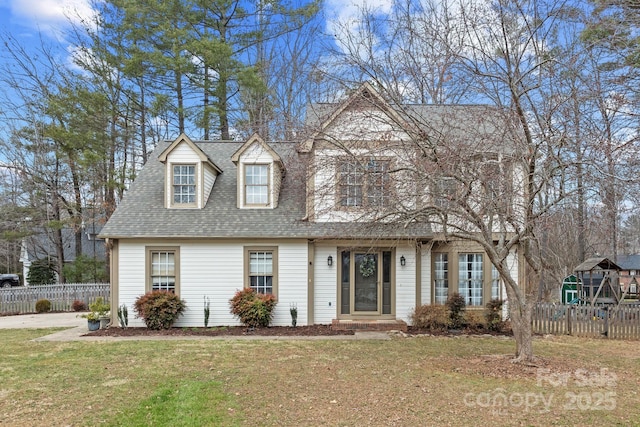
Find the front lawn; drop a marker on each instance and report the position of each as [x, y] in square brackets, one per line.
[402, 382]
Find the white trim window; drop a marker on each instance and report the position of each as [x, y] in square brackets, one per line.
[470, 278]
[256, 185]
[184, 184]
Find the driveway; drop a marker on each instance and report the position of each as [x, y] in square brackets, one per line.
[42, 320]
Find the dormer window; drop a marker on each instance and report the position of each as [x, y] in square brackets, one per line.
[260, 174]
[184, 184]
[256, 187]
[189, 175]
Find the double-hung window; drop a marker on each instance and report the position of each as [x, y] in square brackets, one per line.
[351, 184]
[445, 191]
[495, 283]
[184, 184]
[378, 188]
[441, 277]
[256, 185]
[470, 278]
[261, 269]
[163, 269]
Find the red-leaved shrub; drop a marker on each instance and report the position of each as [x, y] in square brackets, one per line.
[78, 305]
[253, 309]
[159, 309]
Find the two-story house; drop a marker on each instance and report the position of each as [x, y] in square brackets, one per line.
[313, 222]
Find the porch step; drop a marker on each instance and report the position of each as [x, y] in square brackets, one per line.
[369, 325]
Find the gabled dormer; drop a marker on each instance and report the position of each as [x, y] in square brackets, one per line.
[189, 175]
[260, 172]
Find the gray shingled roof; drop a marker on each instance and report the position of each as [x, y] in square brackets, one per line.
[141, 213]
[470, 125]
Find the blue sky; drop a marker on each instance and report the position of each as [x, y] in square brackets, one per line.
[25, 19]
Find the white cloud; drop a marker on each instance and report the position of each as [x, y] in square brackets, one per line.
[48, 15]
[344, 14]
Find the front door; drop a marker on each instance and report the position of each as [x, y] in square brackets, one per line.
[365, 285]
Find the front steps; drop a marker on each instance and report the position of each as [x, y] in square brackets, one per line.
[369, 325]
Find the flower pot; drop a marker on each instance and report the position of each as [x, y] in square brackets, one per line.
[104, 322]
[93, 325]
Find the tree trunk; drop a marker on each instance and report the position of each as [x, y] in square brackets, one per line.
[521, 316]
[520, 313]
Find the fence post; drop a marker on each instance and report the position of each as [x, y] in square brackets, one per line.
[569, 314]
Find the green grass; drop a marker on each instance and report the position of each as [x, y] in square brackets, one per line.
[422, 381]
[187, 403]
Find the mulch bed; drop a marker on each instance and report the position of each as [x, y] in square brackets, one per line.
[311, 330]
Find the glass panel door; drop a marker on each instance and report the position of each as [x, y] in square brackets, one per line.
[366, 292]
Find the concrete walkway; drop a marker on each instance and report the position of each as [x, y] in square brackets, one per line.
[77, 326]
[43, 320]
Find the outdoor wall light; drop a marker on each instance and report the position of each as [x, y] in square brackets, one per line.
[403, 261]
[330, 261]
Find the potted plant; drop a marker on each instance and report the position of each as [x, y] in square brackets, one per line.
[93, 321]
[100, 309]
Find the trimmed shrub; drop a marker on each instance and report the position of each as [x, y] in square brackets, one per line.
[493, 316]
[475, 320]
[432, 317]
[253, 309]
[79, 306]
[159, 309]
[457, 306]
[43, 306]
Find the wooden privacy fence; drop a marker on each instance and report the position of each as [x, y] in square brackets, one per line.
[616, 322]
[23, 299]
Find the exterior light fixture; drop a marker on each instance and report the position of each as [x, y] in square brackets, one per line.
[330, 261]
[403, 261]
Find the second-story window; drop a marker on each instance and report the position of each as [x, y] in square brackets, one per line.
[363, 184]
[445, 192]
[256, 184]
[184, 184]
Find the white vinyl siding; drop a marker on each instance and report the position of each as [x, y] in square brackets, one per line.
[425, 279]
[209, 180]
[325, 284]
[405, 286]
[215, 270]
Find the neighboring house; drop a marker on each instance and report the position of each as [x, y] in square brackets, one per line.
[303, 221]
[629, 273]
[39, 246]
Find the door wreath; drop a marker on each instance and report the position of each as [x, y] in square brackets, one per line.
[367, 266]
